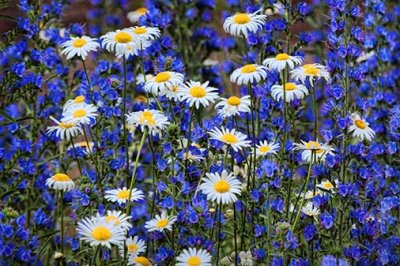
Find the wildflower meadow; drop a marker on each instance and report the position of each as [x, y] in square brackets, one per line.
[200, 132]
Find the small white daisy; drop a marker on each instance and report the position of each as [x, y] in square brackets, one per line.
[249, 74]
[313, 148]
[160, 223]
[195, 93]
[79, 46]
[121, 42]
[154, 120]
[88, 147]
[241, 24]
[133, 48]
[162, 81]
[265, 148]
[311, 72]
[192, 157]
[135, 15]
[122, 195]
[194, 257]
[147, 33]
[138, 261]
[119, 218]
[233, 138]
[310, 194]
[80, 114]
[97, 231]
[221, 188]
[233, 106]
[310, 210]
[60, 181]
[79, 100]
[64, 130]
[133, 245]
[325, 186]
[171, 93]
[360, 128]
[281, 61]
[293, 91]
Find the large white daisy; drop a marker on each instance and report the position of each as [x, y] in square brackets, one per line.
[64, 130]
[122, 195]
[233, 106]
[122, 42]
[196, 94]
[311, 72]
[249, 74]
[160, 223]
[194, 257]
[154, 120]
[313, 148]
[360, 128]
[119, 218]
[133, 245]
[281, 61]
[265, 148]
[241, 24]
[60, 181]
[162, 81]
[293, 91]
[230, 137]
[79, 46]
[146, 33]
[80, 114]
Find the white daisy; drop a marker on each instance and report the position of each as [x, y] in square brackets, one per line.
[119, 218]
[195, 93]
[135, 15]
[138, 261]
[60, 181]
[310, 210]
[64, 130]
[160, 223]
[233, 106]
[293, 91]
[311, 72]
[97, 231]
[154, 120]
[121, 42]
[192, 157]
[360, 128]
[122, 195]
[325, 186]
[222, 189]
[233, 138]
[141, 79]
[133, 245]
[79, 46]
[281, 61]
[88, 147]
[249, 74]
[265, 148]
[313, 148]
[146, 33]
[310, 194]
[80, 114]
[241, 24]
[79, 100]
[171, 93]
[194, 257]
[133, 48]
[162, 81]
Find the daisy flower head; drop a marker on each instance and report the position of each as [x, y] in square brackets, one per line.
[154, 120]
[60, 181]
[326, 185]
[311, 194]
[135, 15]
[79, 46]
[162, 81]
[311, 72]
[194, 257]
[138, 261]
[310, 209]
[360, 128]
[171, 93]
[122, 195]
[160, 223]
[313, 148]
[80, 114]
[230, 137]
[281, 61]
[233, 106]
[241, 24]
[134, 246]
[293, 92]
[85, 146]
[78, 100]
[119, 219]
[141, 79]
[120, 41]
[266, 147]
[64, 130]
[146, 33]
[97, 231]
[249, 73]
[197, 94]
[133, 48]
[221, 188]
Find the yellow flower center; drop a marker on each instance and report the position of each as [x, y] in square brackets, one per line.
[141, 98]
[197, 92]
[229, 138]
[66, 125]
[123, 37]
[162, 77]
[140, 30]
[249, 68]
[313, 145]
[360, 124]
[147, 117]
[101, 233]
[79, 113]
[61, 178]
[142, 260]
[123, 194]
[328, 185]
[282, 57]
[241, 18]
[162, 223]
[310, 70]
[79, 99]
[132, 248]
[78, 43]
[113, 218]
[222, 186]
[233, 100]
[194, 261]
[264, 149]
[175, 88]
[141, 11]
[290, 86]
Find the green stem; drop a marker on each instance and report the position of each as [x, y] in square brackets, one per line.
[125, 131]
[188, 140]
[62, 220]
[87, 75]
